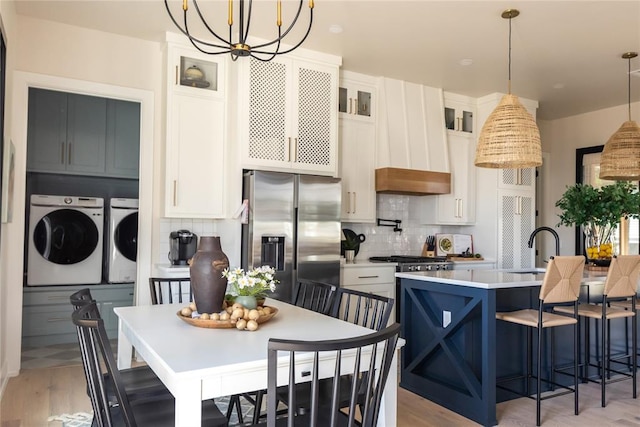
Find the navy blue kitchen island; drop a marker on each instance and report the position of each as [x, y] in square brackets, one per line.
[455, 350]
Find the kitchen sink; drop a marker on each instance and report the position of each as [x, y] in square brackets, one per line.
[527, 271]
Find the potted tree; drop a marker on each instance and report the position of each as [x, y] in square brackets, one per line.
[598, 211]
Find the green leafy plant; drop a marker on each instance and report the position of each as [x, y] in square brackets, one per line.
[351, 242]
[583, 204]
[599, 210]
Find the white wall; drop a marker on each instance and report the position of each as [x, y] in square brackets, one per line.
[7, 18]
[561, 138]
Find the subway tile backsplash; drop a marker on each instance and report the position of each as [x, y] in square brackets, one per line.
[380, 241]
[383, 241]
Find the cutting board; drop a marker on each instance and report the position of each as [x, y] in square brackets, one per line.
[447, 244]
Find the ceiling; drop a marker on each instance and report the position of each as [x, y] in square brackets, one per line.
[565, 54]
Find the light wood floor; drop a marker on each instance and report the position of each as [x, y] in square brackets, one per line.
[36, 394]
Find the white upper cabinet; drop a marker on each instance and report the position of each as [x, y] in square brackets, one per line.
[289, 115]
[410, 125]
[459, 206]
[196, 176]
[459, 114]
[357, 149]
[357, 97]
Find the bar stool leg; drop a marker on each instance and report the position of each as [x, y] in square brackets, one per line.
[539, 368]
[634, 344]
[576, 346]
[603, 361]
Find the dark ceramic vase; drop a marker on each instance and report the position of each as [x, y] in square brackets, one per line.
[207, 283]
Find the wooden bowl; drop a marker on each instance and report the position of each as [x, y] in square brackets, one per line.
[223, 324]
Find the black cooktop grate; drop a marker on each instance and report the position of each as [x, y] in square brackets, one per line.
[407, 259]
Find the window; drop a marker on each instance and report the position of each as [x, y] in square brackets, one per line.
[588, 172]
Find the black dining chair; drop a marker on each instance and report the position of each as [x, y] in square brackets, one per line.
[351, 357]
[140, 382]
[169, 290]
[315, 296]
[102, 373]
[361, 308]
[309, 294]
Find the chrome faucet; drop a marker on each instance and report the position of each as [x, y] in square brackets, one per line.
[550, 230]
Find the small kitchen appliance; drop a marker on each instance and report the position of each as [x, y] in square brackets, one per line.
[182, 246]
[406, 263]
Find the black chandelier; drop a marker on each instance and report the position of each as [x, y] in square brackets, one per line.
[239, 47]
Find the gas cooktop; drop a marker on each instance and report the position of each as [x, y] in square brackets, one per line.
[407, 259]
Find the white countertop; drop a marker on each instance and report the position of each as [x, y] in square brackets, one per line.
[170, 271]
[491, 279]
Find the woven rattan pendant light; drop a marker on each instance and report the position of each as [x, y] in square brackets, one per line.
[620, 159]
[510, 138]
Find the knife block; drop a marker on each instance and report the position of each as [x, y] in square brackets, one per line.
[426, 252]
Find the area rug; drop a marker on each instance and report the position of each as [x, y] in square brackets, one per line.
[83, 419]
[79, 419]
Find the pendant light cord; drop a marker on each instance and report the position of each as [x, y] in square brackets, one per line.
[629, 88]
[509, 88]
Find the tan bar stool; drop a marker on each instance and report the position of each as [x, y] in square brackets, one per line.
[561, 285]
[620, 287]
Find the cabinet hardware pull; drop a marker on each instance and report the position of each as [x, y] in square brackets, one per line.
[295, 150]
[58, 297]
[62, 152]
[58, 319]
[354, 202]
[176, 74]
[348, 202]
[69, 152]
[350, 105]
[175, 192]
[460, 209]
[289, 151]
[368, 277]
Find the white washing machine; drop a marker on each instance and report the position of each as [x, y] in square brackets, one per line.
[65, 240]
[123, 240]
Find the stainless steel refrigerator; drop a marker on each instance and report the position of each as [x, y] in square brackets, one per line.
[294, 226]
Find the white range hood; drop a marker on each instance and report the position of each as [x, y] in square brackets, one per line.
[412, 140]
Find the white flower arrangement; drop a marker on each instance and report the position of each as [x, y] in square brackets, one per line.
[255, 282]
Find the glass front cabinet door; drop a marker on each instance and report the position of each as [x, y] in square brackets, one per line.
[356, 96]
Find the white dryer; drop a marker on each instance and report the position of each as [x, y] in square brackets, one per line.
[65, 240]
[123, 240]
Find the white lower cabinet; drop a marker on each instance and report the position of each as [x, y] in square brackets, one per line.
[375, 279]
[474, 265]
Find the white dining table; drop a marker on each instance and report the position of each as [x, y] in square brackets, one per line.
[201, 363]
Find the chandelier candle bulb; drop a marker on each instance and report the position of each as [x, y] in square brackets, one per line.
[239, 47]
[279, 20]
